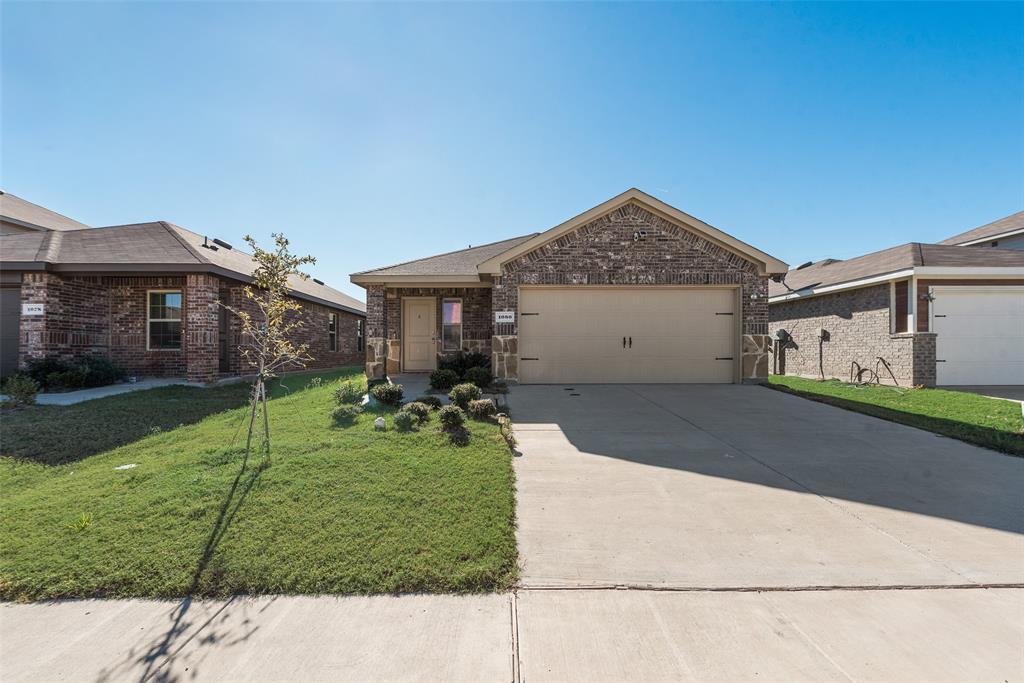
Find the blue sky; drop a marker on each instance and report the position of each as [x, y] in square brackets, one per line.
[378, 133]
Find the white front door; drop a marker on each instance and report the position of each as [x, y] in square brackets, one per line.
[979, 335]
[419, 334]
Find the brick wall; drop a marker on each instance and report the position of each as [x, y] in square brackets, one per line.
[384, 321]
[604, 252]
[75, 320]
[107, 315]
[858, 325]
[128, 326]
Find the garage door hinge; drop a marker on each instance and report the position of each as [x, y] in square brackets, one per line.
[723, 357]
[726, 313]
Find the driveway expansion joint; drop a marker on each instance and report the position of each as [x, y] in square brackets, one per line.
[766, 589]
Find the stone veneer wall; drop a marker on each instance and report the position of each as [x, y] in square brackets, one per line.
[384, 323]
[107, 315]
[858, 325]
[603, 252]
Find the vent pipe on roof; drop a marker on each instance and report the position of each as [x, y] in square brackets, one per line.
[223, 244]
[319, 282]
[207, 245]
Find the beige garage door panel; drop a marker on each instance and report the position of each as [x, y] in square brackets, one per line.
[576, 335]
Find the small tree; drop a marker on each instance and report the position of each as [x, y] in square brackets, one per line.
[268, 326]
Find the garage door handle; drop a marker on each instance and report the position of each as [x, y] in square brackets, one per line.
[623, 342]
[630, 342]
[723, 357]
[937, 315]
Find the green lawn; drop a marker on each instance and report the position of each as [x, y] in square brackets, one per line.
[975, 419]
[339, 509]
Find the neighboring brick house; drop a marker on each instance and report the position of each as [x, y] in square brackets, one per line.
[632, 290]
[147, 296]
[936, 314]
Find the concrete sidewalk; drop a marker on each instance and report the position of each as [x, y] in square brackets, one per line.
[544, 635]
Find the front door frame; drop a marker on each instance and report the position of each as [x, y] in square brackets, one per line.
[433, 333]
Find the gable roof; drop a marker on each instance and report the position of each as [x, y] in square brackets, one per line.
[454, 266]
[148, 247]
[896, 261]
[770, 264]
[1004, 227]
[22, 212]
[471, 265]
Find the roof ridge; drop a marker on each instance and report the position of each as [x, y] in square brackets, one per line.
[170, 228]
[446, 253]
[49, 247]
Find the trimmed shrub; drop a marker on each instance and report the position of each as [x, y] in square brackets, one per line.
[101, 371]
[459, 437]
[349, 393]
[405, 420]
[39, 368]
[462, 394]
[88, 371]
[462, 361]
[433, 401]
[388, 394]
[443, 379]
[481, 377]
[482, 409]
[420, 410]
[20, 389]
[452, 417]
[72, 378]
[346, 414]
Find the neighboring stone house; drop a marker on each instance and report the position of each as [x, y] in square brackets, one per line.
[633, 290]
[931, 314]
[147, 296]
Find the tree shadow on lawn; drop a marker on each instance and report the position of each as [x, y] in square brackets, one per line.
[56, 435]
[156, 657]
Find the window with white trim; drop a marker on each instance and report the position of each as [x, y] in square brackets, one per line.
[451, 325]
[163, 320]
[332, 332]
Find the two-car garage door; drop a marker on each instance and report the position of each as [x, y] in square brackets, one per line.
[595, 335]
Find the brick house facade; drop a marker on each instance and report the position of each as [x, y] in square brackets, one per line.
[858, 323]
[630, 244]
[107, 315]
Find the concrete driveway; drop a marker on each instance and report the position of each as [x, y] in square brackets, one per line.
[741, 486]
[759, 535]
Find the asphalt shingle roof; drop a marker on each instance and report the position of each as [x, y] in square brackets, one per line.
[461, 262]
[148, 244]
[832, 272]
[1010, 223]
[18, 209]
